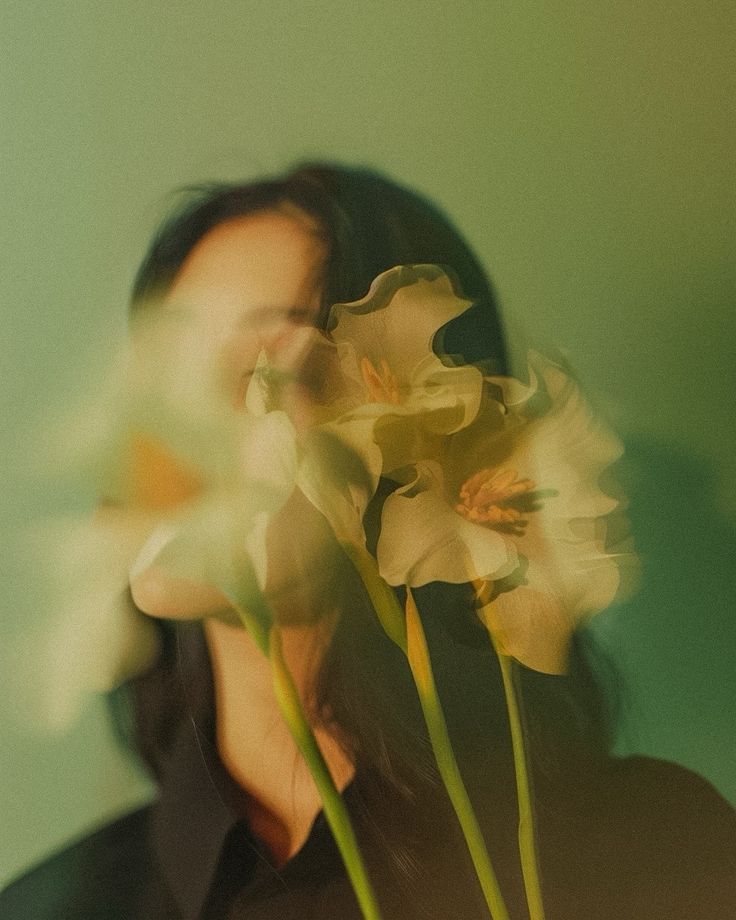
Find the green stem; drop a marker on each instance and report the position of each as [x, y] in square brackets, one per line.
[334, 806]
[254, 613]
[249, 603]
[387, 607]
[527, 843]
[421, 667]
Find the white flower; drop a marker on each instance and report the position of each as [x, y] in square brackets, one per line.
[514, 501]
[249, 499]
[385, 343]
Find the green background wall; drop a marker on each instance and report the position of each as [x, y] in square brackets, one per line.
[583, 147]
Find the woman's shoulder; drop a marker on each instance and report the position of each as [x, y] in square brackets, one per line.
[658, 837]
[649, 787]
[659, 799]
[94, 877]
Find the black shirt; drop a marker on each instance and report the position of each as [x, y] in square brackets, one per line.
[635, 839]
[642, 840]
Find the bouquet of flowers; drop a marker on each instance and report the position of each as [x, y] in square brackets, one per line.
[484, 480]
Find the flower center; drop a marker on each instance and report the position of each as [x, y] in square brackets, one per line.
[488, 497]
[381, 382]
[156, 476]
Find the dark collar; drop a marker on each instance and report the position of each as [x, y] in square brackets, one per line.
[199, 803]
[200, 806]
[200, 810]
[192, 819]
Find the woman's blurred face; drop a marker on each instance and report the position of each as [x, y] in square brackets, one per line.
[250, 284]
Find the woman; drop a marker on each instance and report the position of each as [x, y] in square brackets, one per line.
[237, 830]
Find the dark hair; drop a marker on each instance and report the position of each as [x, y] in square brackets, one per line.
[364, 689]
[369, 225]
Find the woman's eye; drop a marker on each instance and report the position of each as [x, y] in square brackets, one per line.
[267, 318]
[301, 316]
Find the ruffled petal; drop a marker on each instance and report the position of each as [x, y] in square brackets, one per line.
[564, 452]
[397, 320]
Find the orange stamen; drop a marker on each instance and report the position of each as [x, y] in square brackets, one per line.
[381, 383]
[487, 497]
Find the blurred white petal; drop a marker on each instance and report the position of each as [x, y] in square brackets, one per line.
[339, 475]
[88, 637]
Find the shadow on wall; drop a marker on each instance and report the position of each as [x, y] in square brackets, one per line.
[674, 641]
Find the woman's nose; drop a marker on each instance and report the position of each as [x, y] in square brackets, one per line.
[239, 352]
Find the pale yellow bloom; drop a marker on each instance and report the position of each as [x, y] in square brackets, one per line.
[385, 343]
[515, 501]
[270, 447]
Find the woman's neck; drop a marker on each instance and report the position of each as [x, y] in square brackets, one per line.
[254, 741]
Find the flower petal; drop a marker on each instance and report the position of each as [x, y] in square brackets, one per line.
[423, 539]
[397, 320]
[212, 539]
[93, 639]
[531, 626]
[339, 475]
[565, 451]
[269, 455]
